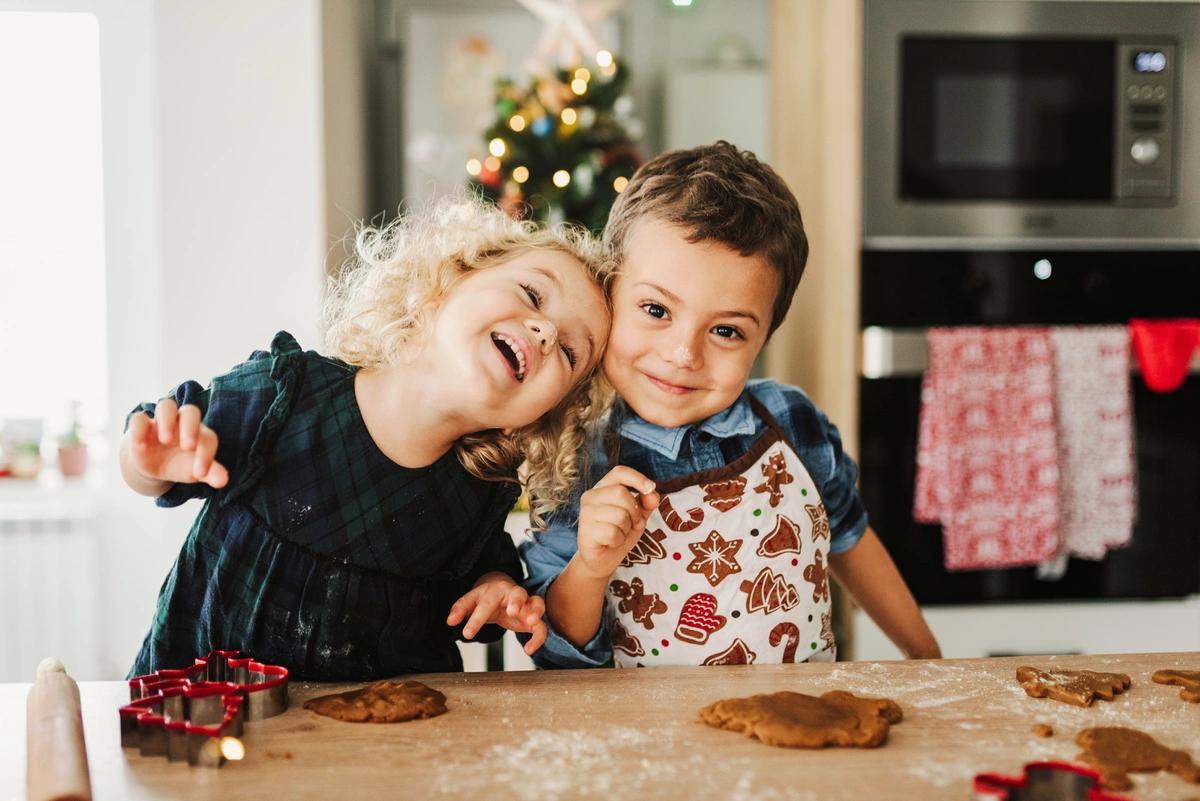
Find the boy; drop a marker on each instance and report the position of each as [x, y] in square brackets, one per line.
[725, 500]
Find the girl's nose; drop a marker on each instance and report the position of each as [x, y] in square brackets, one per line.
[544, 332]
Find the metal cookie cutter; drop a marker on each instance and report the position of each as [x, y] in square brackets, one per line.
[198, 713]
[1044, 781]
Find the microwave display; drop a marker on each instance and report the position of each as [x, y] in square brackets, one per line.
[1029, 118]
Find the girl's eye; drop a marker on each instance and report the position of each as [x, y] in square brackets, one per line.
[655, 310]
[728, 332]
[570, 354]
[535, 297]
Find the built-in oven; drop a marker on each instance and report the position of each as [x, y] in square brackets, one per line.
[1009, 119]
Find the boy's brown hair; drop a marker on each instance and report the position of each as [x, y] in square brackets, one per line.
[718, 193]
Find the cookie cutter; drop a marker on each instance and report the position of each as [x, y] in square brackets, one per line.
[198, 713]
[1044, 781]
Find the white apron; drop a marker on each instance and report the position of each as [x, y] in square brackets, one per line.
[731, 569]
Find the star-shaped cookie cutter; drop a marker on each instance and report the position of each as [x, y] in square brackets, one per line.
[1044, 781]
[198, 713]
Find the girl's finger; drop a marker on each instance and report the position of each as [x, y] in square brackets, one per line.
[620, 516]
[217, 476]
[189, 426]
[606, 535]
[535, 610]
[484, 609]
[515, 600]
[206, 451]
[460, 608]
[165, 418]
[140, 426]
[538, 637]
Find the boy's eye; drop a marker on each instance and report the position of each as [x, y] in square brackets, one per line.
[535, 297]
[655, 310]
[570, 353]
[727, 332]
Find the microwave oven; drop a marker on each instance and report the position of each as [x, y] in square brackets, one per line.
[1002, 121]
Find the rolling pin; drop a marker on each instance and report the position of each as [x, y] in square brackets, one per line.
[56, 758]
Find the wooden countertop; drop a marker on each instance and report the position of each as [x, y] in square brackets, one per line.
[604, 733]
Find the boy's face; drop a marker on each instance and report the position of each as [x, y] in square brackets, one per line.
[688, 321]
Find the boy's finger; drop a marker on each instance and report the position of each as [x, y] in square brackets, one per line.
[649, 502]
[535, 610]
[618, 516]
[189, 426]
[606, 535]
[165, 418]
[626, 476]
[536, 640]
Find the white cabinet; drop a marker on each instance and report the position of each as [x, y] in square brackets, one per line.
[1085, 627]
[706, 103]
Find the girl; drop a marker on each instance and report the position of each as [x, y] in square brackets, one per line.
[350, 500]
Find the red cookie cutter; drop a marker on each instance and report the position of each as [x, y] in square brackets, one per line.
[1044, 781]
[190, 713]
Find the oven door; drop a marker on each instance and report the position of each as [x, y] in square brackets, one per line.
[990, 118]
[1002, 288]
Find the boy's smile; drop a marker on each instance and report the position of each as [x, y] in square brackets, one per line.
[689, 318]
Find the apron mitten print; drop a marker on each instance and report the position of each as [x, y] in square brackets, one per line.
[715, 558]
[724, 495]
[776, 474]
[699, 619]
[636, 602]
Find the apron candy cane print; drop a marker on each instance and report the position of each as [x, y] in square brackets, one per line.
[731, 568]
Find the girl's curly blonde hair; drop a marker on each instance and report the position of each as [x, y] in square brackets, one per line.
[381, 298]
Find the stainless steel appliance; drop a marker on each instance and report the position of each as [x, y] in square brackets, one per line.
[998, 121]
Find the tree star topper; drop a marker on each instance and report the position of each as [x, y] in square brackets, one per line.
[566, 31]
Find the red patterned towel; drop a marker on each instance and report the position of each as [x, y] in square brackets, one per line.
[1095, 439]
[1164, 350]
[987, 462]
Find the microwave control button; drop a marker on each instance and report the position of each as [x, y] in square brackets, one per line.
[1146, 92]
[1144, 150]
[1132, 92]
[1160, 92]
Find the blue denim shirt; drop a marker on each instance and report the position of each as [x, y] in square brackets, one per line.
[666, 453]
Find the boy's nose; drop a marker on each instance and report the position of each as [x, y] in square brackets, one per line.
[544, 332]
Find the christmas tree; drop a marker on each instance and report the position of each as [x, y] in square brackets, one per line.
[561, 145]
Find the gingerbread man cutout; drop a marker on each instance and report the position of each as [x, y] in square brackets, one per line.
[636, 602]
[776, 474]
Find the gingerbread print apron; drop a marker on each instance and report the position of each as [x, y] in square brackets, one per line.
[731, 569]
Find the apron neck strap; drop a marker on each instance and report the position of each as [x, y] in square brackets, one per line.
[760, 410]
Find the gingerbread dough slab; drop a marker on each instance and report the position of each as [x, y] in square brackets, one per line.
[381, 702]
[1115, 752]
[1079, 687]
[1188, 681]
[795, 720]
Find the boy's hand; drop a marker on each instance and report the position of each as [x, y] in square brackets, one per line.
[612, 515]
[496, 598]
[174, 446]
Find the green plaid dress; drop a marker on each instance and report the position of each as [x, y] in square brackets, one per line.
[321, 554]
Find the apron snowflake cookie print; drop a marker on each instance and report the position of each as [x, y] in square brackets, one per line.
[731, 569]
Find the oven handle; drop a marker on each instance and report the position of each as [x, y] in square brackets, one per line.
[903, 352]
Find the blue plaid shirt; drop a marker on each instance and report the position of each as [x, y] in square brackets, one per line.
[666, 453]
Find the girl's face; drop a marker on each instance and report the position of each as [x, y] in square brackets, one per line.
[516, 337]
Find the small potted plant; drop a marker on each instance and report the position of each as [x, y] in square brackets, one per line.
[72, 450]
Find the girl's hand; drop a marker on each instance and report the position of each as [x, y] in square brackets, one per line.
[612, 515]
[496, 598]
[174, 446]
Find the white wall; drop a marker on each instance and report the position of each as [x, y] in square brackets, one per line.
[214, 227]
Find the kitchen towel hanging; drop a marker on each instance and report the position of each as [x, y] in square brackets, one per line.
[1097, 502]
[987, 461]
[1164, 350]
